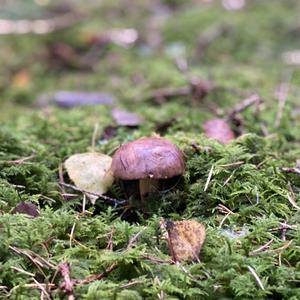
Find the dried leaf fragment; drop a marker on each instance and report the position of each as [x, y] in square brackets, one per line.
[69, 99]
[125, 118]
[185, 239]
[90, 172]
[219, 130]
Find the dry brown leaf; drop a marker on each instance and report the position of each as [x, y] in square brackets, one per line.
[219, 130]
[185, 239]
[90, 172]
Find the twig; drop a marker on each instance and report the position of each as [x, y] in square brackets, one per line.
[228, 179]
[72, 234]
[282, 248]
[94, 137]
[209, 178]
[131, 283]
[240, 107]
[292, 198]
[106, 198]
[95, 277]
[237, 163]
[83, 203]
[22, 271]
[283, 229]
[282, 95]
[225, 210]
[164, 93]
[158, 260]
[38, 260]
[61, 178]
[36, 285]
[42, 288]
[294, 170]
[20, 161]
[40, 26]
[256, 277]
[224, 219]
[110, 241]
[261, 249]
[67, 285]
[134, 238]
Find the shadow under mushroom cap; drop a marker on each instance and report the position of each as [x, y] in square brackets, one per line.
[152, 157]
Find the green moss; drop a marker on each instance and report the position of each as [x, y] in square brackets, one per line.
[246, 174]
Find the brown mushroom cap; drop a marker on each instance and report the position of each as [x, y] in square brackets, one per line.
[152, 157]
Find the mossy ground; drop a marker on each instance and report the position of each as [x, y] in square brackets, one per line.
[247, 59]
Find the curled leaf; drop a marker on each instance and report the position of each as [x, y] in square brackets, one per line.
[90, 172]
[185, 239]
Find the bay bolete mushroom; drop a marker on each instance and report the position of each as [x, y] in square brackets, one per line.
[148, 160]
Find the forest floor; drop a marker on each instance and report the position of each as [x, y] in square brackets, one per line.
[180, 64]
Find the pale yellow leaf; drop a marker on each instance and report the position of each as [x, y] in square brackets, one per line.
[90, 172]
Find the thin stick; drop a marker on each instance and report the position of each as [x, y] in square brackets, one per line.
[282, 95]
[106, 198]
[292, 198]
[33, 257]
[41, 26]
[261, 249]
[256, 277]
[240, 107]
[83, 203]
[42, 288]
[95, 277]
[22, 271]
[110, 241]
[134, 238]
[282, 248]
[237, 163]
[209, 178]
[94, 137]
[72, 234]
[61, 177]
[20, 161]
[291, 170]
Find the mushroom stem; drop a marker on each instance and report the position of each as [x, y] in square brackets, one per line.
[148, 185]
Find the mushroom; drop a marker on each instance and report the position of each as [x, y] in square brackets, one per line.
[148, 160]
